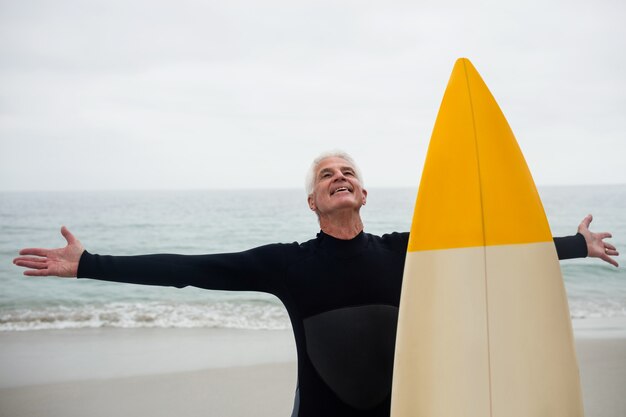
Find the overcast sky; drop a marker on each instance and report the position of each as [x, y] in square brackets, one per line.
[112, 94]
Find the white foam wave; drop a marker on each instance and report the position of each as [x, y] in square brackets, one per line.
[224, 314]
[582, 309]
[135, 315]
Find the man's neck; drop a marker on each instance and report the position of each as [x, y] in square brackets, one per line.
[344, 227]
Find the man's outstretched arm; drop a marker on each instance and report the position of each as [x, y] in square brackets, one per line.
[257, 269]
[586, 244]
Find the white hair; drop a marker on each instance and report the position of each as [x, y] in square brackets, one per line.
[312, 173]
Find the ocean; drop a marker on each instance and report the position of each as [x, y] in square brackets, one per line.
[211, 221]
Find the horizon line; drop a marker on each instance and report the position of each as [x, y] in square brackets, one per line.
[277, 188]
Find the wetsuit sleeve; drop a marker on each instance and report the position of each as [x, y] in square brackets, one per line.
[259, 269]
[569, 247]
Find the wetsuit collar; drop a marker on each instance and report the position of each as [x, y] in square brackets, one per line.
[342, 247]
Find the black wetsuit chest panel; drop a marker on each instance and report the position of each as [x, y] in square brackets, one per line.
[343, 301]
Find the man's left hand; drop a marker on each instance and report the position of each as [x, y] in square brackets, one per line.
[596, 246]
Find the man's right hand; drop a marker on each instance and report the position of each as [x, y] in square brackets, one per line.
[61, 262]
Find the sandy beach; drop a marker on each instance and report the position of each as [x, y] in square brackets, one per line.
[204, 372]
[147, 372]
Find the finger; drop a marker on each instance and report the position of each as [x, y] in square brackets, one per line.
[28, 259]
[69, 237]
[612, 252]
[603, 235]
[36, 272]
[587, 221]
[35, 251]
[608, 259]
[609, 246]
[33, 265]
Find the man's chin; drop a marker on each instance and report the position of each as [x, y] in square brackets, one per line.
[345, 204]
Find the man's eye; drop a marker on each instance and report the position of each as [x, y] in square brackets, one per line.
[348, 173]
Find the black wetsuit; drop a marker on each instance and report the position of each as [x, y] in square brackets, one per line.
[342, 297]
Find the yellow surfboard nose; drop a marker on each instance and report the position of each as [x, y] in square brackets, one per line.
[473, 155]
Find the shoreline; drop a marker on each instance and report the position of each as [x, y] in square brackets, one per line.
[199, 372]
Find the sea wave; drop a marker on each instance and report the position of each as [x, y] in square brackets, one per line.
[607, 308]
[257, 316]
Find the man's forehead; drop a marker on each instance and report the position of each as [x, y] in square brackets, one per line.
[333, 162]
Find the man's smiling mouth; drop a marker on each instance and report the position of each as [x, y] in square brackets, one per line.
[339, 190]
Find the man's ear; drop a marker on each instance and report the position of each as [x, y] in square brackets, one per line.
[364, 196]
[311, 202]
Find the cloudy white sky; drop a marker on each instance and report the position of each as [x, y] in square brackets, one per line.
[112, 94]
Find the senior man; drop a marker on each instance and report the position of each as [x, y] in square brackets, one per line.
[341, 289]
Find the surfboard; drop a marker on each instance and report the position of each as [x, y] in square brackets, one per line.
[484, 326]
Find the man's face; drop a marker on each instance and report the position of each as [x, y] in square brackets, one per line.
[336, 187]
